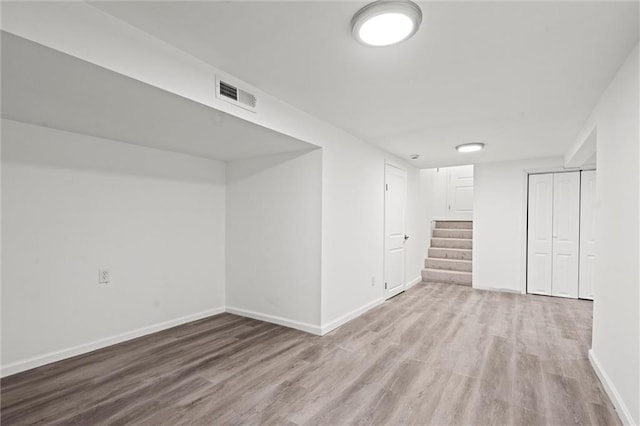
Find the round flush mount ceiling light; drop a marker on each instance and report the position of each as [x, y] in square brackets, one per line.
[386, 22]
[470, 147]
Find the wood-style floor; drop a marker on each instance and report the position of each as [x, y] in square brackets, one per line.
[437, 354]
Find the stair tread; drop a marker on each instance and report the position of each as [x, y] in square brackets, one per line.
[451, 238]
[454, 224]
[448, 271]
[453, 221]
[451, 230]
[450, 248]
[445, 259]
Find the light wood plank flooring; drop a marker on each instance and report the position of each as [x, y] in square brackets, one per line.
[437, 354]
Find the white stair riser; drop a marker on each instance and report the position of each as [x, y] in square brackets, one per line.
[451, 243]
[443, 253]
[447, 264]
[448, 224]
[453, 233]
[461, 278]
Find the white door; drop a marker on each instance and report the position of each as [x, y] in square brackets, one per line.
[587, 234]
[566, 233]
[540, 232]
[394, 241]
[460, 193]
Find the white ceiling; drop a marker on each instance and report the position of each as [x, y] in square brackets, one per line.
[45, 87]
[521, 77]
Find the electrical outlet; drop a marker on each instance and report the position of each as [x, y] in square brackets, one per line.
[373, 281]
[104, 276]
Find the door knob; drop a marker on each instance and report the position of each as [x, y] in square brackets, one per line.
[406, 237]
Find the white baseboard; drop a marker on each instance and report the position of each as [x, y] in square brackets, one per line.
[298, 325]
[610, 389]
[38, 361]
[413, 282]
[326, 328]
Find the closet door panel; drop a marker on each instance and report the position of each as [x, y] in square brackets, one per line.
[587, 234]
[566, 229]
[539, 241]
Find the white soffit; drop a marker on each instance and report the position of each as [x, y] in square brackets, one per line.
[45, 87]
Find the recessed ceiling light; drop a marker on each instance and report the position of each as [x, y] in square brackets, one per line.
[470, 147]
[386, 22]
[414, 156]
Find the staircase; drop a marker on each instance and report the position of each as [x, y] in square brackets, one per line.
[449, 259]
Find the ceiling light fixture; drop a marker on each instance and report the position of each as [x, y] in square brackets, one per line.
[470, 147]
[414, 156]
[386, 22]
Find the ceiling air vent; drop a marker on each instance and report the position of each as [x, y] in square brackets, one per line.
[230, 93]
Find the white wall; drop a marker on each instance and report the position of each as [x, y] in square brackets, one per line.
[353, 230]
[72, 204]
[433, 192]
[352, 170]
[417, 227]
[274, 228]
[616, 314]
[499, 222]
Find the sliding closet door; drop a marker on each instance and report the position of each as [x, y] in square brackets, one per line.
[540, 242]
[566, 229]
[587, 234]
